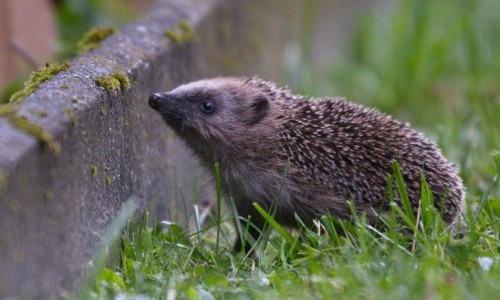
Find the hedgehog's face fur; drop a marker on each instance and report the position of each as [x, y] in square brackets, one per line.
[215, 110]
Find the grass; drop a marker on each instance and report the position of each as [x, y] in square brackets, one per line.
[433, 63]
[404, 261]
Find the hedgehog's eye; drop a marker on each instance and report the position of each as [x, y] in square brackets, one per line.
[207, 107]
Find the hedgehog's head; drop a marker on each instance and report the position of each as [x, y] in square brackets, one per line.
[212, 108]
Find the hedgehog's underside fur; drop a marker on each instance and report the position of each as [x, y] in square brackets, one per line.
[337, 151]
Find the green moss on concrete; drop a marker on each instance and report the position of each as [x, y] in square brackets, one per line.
[181, 34]
[186, 29]
[123, 79]
[93, 38]
[117, 81]
[71, 115]
[93, 170]
[22, 123]
[3, 182]
[15, 206]
[42, 113]
[173, 36]
[109, 83]
[103, 111]
[6, 109]
[37, 78]
[108, 180]
[48, 195]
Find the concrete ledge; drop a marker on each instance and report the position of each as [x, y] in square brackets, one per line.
[54, 208]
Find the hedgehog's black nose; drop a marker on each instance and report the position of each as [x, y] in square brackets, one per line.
[155, 100]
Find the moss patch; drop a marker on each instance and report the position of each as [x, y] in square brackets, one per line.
[109, 83]
[42, 113]
[103, 111]
[48, 195]
[37, 78]
[181, 34]
[6, 110]
[93, 38]
[93, 170]
[117, 81]
[3, 182]
[71, 115]
[22, 123]
[123, 79]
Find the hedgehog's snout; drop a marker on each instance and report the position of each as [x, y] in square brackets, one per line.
[169, 107]
[155, 100]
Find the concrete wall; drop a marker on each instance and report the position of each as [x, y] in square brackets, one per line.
[54, 208]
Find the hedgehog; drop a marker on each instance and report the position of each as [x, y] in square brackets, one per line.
[304, 157]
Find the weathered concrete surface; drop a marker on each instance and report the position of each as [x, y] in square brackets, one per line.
[53, 209]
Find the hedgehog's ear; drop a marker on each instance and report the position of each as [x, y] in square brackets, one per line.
[258, 109]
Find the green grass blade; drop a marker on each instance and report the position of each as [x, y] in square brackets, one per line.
[197, 222]
[385, 237]
[237, 223]
[331, 228]
[489, 190]
[427, 209]
[403, 194]
[402, 214]
[219, 197]
[270, 220]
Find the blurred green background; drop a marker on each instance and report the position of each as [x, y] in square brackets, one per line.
[435, 64]
[75, 17]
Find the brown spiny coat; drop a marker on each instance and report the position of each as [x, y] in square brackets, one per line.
[337, 151]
